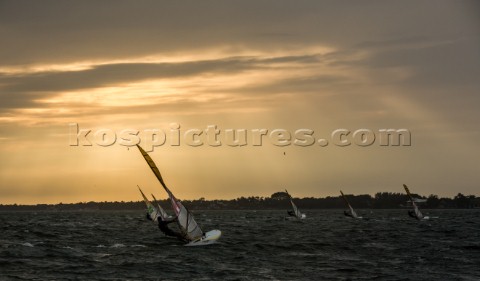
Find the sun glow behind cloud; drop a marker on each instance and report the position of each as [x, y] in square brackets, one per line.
[262, 71]
[289, 66]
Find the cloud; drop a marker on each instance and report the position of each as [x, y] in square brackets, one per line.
[25, 90]
[112, 74]
[328, 64]
[117, 73]
[57, 31]
[450, 63]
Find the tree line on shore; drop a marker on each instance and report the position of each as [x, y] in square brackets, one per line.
[278, 200]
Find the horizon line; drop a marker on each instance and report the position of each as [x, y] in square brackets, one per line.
[205, 199]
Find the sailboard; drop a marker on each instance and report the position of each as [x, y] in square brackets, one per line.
[352, 213]
[416, 211]
[190, 230]
[296, 212]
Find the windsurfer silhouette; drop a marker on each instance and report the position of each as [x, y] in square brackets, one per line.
[149, 217]
[163, 226]
[346, 213]
[412, 214]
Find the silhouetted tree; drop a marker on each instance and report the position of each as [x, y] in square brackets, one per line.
[432, 202]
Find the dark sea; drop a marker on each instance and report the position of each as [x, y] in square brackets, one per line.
[256, 245]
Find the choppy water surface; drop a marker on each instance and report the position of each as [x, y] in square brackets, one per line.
[255, 245]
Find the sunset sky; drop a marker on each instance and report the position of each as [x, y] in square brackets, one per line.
[319, 65]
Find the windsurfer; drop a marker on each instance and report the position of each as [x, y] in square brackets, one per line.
[348, 214]
[412, 214]
[291, 213]
[148, 216]
[163, 226]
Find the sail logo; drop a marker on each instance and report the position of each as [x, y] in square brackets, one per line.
[213, 136]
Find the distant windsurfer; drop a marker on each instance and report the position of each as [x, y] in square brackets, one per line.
[412, 214]
[291, 213]
[348, 214]
[149, 217]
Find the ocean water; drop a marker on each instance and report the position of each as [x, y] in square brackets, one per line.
[256, 245]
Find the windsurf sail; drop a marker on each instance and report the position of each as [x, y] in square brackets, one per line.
[161, 211]
[152, 211]
[185, 220]
[352, 212]
[296, 211]
[417, 212]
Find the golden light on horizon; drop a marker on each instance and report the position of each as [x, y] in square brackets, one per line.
[303, 69]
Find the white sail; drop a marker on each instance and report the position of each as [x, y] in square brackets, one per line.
[161, 211]
[418, 214]
[185, 220]
[296, 211]
[153, 212]
[417, 211]
[352, 212]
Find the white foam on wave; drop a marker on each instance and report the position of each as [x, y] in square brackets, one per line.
[142, 246]
[101, 255]
[117, 245]
[27, 244]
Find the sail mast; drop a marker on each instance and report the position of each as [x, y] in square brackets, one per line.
[154, 168]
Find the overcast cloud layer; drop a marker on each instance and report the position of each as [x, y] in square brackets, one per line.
[321, 64]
